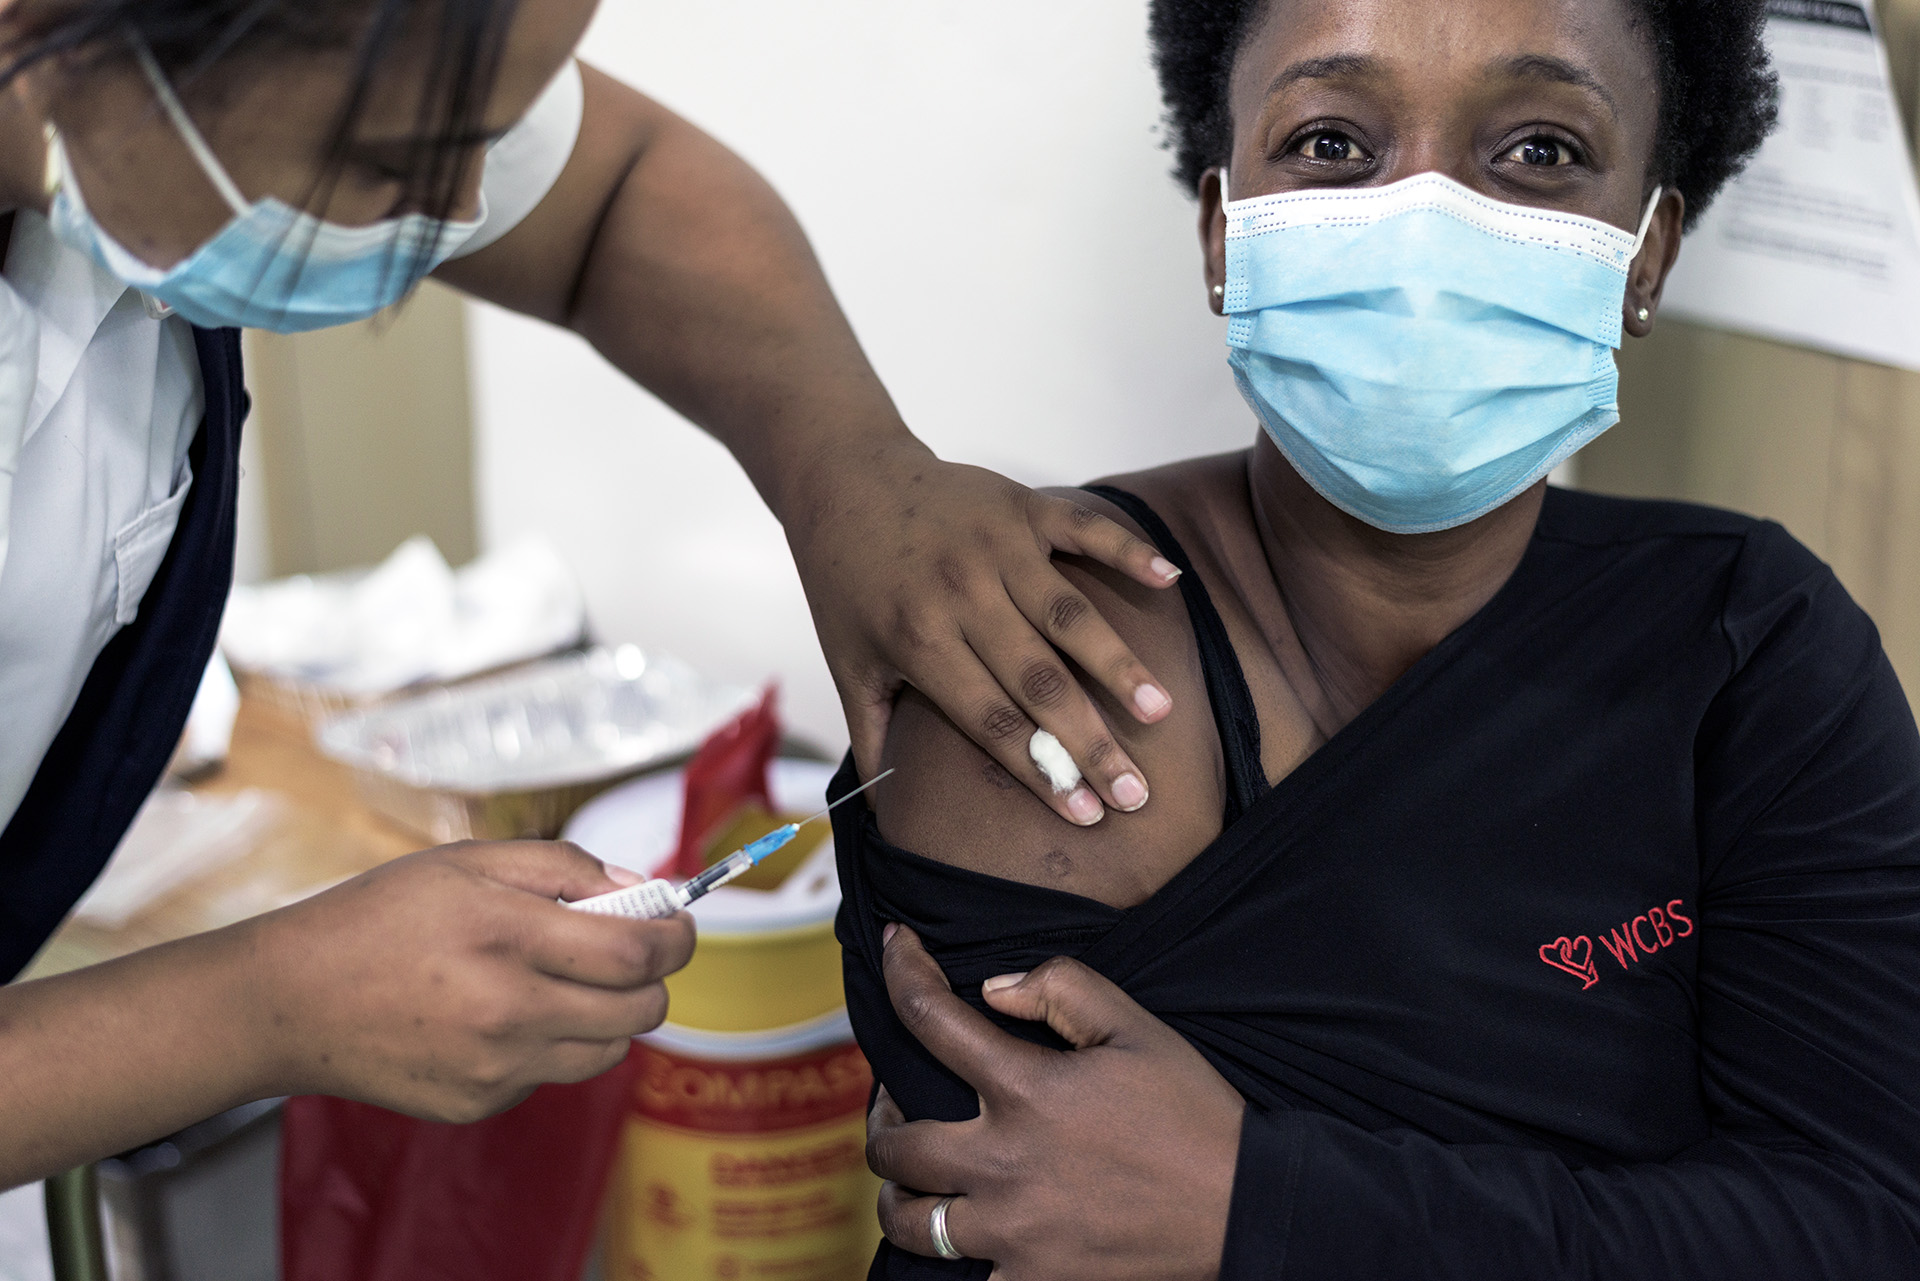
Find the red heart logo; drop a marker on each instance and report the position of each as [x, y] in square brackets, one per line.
[1559, 954]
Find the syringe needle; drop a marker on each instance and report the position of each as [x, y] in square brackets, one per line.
[844, 799]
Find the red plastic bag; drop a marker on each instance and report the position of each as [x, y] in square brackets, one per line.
[729, 770]
[370, 1195]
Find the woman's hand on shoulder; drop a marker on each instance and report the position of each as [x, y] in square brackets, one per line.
[449, 983]
[940, 576]
[955, 803]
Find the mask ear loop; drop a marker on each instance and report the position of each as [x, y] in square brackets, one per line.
[1646, 223]
[189, 133]
[1640, 237]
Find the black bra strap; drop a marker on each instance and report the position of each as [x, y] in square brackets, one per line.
[1233, 711]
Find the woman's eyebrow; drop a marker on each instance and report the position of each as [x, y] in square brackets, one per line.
[1332, 67]
[1540, 66]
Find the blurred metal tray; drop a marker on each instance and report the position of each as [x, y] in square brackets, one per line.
[515, 755]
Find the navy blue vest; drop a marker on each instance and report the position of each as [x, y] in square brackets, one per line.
[118, 738]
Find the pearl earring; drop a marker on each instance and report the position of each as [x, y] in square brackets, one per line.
[1642, 314]
[1219, 291]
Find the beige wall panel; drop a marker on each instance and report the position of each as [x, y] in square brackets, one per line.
[366, 436]
[1873, 513]
[1723, 419]
[1828, 447]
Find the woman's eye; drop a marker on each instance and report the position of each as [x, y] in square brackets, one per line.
[1542, 152]
[1331, 147]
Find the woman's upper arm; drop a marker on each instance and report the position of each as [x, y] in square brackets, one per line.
[1809, 972]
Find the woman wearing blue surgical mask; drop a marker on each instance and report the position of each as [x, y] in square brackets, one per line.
[1533, 890]
[174, 170]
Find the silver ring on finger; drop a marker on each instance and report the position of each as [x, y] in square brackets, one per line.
[937, 1229]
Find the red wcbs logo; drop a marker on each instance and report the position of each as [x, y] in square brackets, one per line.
[1628, 943]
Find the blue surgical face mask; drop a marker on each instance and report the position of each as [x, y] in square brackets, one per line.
[1420, 353]
[271, 266]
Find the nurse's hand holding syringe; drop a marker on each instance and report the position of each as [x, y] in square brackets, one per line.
[446, 984]
[652, 900]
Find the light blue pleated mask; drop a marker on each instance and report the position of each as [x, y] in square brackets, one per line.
[1420, 353]
[271, 266]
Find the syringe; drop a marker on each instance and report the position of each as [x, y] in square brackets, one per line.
[651, 900]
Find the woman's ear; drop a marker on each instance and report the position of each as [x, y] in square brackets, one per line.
[1213, 236]
[26, 105]
[1647, 277]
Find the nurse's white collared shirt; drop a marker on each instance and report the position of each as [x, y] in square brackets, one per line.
[98, 403]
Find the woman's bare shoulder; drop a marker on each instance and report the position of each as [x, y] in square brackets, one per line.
[1190, 495]
[953, 803]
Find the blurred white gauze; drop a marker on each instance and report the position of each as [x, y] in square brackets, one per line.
[176, 837]
[209, 731]
[412, 619]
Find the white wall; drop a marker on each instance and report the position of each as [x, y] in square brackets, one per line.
[983, 180]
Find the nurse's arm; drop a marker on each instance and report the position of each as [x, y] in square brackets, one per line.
[446, 984]
[681, 265]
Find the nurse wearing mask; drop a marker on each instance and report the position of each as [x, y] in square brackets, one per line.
[1534, 886]
[174, 170]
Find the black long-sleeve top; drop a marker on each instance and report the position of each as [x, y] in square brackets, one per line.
[1590, 950]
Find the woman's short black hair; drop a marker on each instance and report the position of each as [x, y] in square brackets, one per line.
[1718, 96]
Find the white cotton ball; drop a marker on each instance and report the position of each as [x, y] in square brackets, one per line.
[1054, 762]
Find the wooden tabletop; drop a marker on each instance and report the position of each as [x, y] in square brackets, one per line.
[323, 834]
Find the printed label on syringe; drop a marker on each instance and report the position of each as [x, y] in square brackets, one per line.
[649, 901]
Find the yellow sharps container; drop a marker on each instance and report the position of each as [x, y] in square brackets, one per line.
[743, 1157]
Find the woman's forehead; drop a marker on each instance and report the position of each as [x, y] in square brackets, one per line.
[1600, 47]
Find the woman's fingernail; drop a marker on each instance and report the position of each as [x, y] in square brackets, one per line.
[886, 935]
[1151, 700]
[621, 876]
[1085, 807]
[999, 981]
[1165, 568]
[1129, 793]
